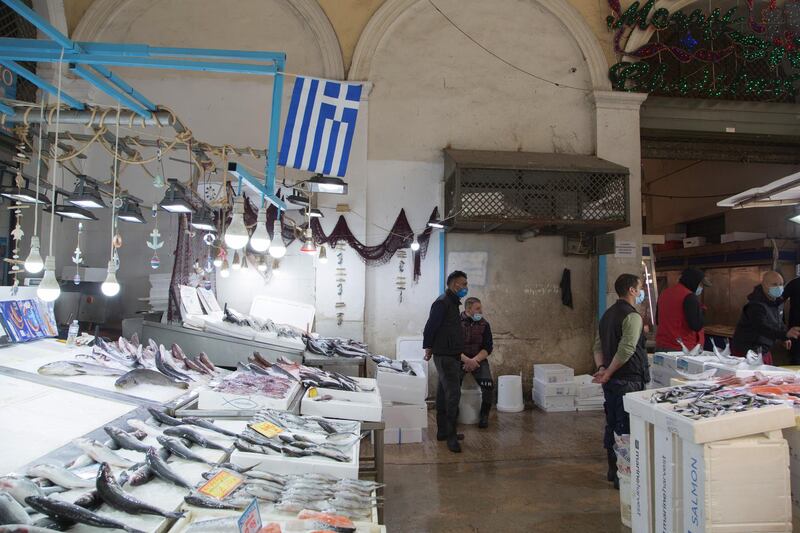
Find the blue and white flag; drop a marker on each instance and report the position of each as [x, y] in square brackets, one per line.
[320, 126]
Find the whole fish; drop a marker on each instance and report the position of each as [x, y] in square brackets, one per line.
[24, 528]
[162, 367]
[237, 468]
[78, 368]
[262, 493]
[140, 476]
[261, 360]
[169, 364]
[161, 469]
[280, 372]
[65, 511]
[203, 368]
[203, 423]
[117, 498]
[200, 500]
[20, 488]
[101, 453]
[103, 348]
[214, 525]
[188, 433]
[91, 500]
[163, 417]
[141, 425]
[139, 376]
[330, 454]
[203, 358]
[176, 447]
[125, 440]
[60, 476]
[11, 512]
[249, 447]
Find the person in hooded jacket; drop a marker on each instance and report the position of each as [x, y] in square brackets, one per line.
[761, 323]
[679, 314]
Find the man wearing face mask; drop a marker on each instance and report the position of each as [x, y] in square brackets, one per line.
[478, 346]
[761, 323]
[443, 339]
[621, 359]
[680, 315]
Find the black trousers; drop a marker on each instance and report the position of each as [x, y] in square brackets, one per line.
[483, 377]
[617, 420]
[448, 393]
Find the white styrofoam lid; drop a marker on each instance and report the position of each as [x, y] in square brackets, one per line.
[409, 349]
[296, 314]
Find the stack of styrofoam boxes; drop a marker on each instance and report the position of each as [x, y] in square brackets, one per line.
[405, 412]
[792, 436]
[589, 396]
[159, 291]
[554, 387]
[728, 473]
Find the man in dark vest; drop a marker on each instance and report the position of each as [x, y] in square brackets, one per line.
[680, 313]
[443, 339]
[621, 359]
[478, 346]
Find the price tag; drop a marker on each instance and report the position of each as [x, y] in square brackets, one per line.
[313, 392]
[250, 521]
[268, 429]
[222, 484]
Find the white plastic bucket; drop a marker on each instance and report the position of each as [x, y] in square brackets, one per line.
[625, 498]
[469, 409]
[509, 394]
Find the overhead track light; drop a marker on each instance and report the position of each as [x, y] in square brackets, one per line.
[71, 211]
[175, 198]
[130, 212]
[87, 194]
[315, 213]
[325, 184]
[24, 195]
[203, 220]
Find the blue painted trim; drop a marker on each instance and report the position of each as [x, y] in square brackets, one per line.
[602, 274]
[245, 178]
[442, 266]
[133, 93]
[110, 90]
[44, 26]
[274, 129]
[7, 110]
[42, 84]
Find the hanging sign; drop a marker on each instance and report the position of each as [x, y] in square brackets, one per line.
[625, 249]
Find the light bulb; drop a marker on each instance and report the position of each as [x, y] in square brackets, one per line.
[218, 261]
[224, 271]
[237, 263]
[34, 263]
[262, 265]
[276, 268]
[323, 255]
[260, 240]
[49, 290]
[236, 235]
[415, 244]
[110, 286]
[276, 248]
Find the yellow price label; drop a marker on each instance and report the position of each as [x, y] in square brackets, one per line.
[222, 484]
[313, 392]
[268, 429]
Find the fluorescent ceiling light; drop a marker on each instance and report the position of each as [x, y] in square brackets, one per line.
[86, 197]
[24, 195]
[175, 199]
[203, 221]
[324, 184]
[73, 212]
[130, 212]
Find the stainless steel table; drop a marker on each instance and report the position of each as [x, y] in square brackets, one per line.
[349, 366]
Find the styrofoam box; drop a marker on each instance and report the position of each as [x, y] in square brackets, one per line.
[362, 406]
[554, 403]
[693, 242]
[221, 401]
[404, 435]
[404, 388]
[396, 415]
[667, 462]
[794, 484]
[555, 389]
[737, 486]
[666, 359]
[586, 389]
[641, 454]
[737, 236]
[792, 436]
[553, 373]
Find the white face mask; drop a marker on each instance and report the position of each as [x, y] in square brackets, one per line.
[640, 297]
[699, 290]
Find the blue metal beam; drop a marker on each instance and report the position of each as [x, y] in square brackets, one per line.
[274, 126]
[133, 93]
[45, 27]
[6, 110]
[254, 183]
[110, 89]
[42, 84]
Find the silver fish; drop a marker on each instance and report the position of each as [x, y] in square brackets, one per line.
[163, 418]
[200, 500]
[205, 424]
[188, 433]
[20, 488]
[125, 440]
[141, 425]
[139, 376]
[113, 495]
[11, 512]
[61, 510]
[161, 469]
[24, 528]
[214, 525]
[78, 368]
[263, 493]
[176, 447]
[101, 453]
[60, 476]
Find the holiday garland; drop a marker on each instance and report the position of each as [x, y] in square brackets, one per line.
[725, 47]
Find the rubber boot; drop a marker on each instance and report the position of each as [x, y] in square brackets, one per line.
[483, 421]
[612, 467]
[453, 445]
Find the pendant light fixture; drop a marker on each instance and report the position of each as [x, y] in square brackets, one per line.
[72, 212]
[110, 286]
[175, 200]
[236, 235]
[276, 248]
[237, 262]
[260, 240]
[309, 247]
[86, 195]
[218, 259]
[203, 220]
[262, 264]
[130, 212]
[325, 184]
[224, 271]
[323, 254]
[34, 263]
[415, 244]
[48, 289]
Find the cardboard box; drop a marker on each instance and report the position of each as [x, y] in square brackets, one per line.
[553, 373]
[397, 415]
[694, 242]
[555, 389]
[738, 236]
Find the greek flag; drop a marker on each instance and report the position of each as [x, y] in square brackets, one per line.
[320, 126]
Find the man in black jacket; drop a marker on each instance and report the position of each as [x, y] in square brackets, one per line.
[761, 323]
[443, 339]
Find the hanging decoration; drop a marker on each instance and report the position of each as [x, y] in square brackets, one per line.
[154, 244]
[17, 234]
[400, 283]
[341, 278]
[732, 55]
[77, 256]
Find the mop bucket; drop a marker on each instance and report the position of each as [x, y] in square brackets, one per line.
[509, 394]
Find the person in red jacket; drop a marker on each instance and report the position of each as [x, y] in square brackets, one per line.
[680, 314]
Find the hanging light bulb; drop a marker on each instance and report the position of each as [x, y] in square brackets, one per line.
[260, 240]
[110, 286]
[34, 263]
[49, 290]
[236, 235]
[323, 255]
[276, 267]
[309, 247]
[415, 244]
[262, 264]
[224, 271]
[276, 248]
[218, 259]
[237, 263]
[244, 260]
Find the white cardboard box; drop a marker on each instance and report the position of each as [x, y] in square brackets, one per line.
[585, 389]
[693, 242]
[361, 406]
[404, 388]
[667, 471]
[554, 389]
[397, 415]
[553, 373]
[641, 450]
[737, 236]
[554, 403]
[404, 435]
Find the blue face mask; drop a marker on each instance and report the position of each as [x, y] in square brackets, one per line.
[776, 292]
[699, 290]
[640, 297]
[461, 293]
[477, 317]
